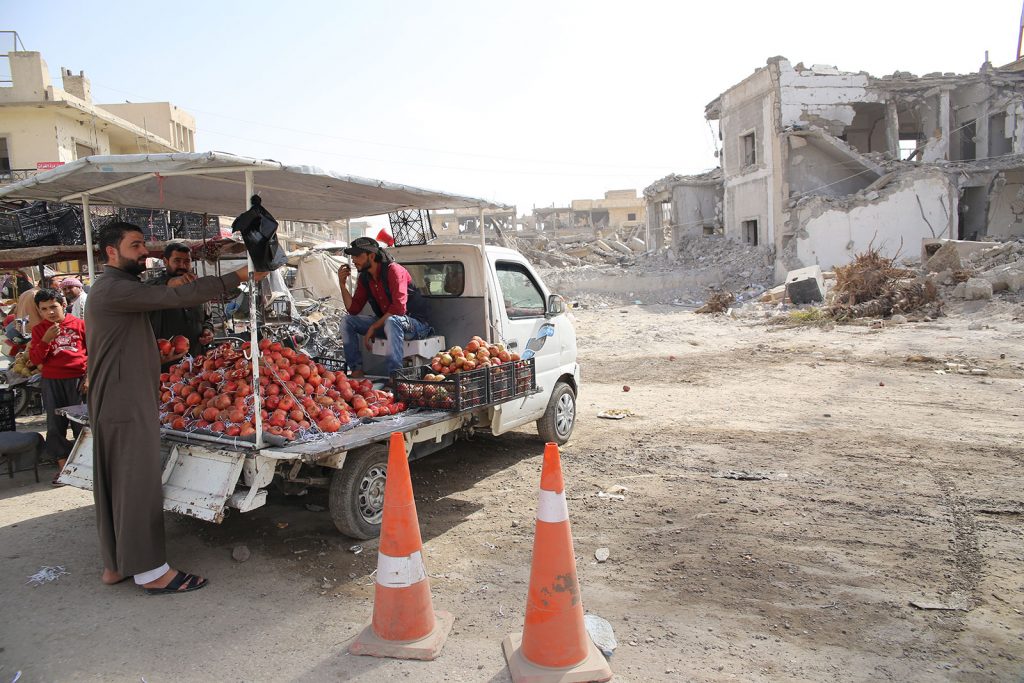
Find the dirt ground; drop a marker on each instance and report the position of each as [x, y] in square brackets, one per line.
[886, 483]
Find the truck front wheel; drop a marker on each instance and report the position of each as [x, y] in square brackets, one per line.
[357, 492]
[560, 416]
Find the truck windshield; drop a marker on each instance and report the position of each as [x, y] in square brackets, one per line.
[438, 278]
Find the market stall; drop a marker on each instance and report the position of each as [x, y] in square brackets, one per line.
[222, 184]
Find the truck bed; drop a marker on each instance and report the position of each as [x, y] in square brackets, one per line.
[361, 434]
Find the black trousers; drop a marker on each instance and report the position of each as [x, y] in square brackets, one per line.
[59, 393]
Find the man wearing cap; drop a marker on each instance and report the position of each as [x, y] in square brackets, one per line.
[75, 295]
[400, 312]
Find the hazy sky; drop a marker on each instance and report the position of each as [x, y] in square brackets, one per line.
[531, 103]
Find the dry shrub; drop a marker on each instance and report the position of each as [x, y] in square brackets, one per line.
[868, 277]
[872, 286]
[718, 302]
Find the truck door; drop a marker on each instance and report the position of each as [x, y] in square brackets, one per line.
[521, 305]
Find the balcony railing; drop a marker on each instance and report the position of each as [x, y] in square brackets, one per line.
[15, 175]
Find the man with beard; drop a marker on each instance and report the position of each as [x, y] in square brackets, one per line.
[124, 408]
[192, 322]
[400, 312]
[75, 295]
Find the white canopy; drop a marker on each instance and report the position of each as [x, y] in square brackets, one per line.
[214, 183]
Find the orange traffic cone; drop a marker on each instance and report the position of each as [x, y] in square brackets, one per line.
[554, 645]
[404, 623]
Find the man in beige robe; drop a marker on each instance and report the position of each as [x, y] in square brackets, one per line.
[124, 383]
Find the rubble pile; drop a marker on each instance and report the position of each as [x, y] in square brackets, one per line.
[998, 269]
[578, 250]
[602, 272]
[739, 264]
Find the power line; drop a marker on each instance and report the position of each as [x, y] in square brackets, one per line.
[393, 145]
[443, 166]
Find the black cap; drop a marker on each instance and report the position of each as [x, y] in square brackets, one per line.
[363, 245]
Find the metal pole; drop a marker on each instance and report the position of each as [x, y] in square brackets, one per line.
[254, 341]
[1020, 34]
[87, 220]
[487, 270]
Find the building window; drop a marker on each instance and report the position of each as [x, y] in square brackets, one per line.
[83, 151]
[666, 214]
[909, 147]
[630, 216]
[749, 142]
[750, 232]
[5, 156]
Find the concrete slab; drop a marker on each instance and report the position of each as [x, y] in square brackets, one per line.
[805, 285]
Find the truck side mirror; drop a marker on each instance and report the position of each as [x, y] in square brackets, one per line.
[556, 306]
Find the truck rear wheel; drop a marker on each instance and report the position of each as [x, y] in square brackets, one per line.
[357, 492]
[560, 416]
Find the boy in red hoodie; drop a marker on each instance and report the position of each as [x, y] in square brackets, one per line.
[58, 347]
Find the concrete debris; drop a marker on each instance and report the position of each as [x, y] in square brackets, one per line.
[946, 258]
[805, 285]
[240, 553]
[601, 632]
[620, 247]
[1009, 278]
[1000, 255]
[977, 288]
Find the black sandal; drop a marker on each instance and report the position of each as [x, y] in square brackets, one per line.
[191, 582]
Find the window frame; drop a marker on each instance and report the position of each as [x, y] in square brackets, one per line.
[520, 268]
[745, 228]
[749, 159]
[442, 265]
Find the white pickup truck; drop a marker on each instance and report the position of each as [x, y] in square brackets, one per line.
[472, 289]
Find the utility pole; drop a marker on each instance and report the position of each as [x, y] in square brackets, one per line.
[1020, 33]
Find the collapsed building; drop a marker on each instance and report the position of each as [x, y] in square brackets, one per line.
[818, 165]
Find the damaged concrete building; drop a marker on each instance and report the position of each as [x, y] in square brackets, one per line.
[818, 165]
[681, 207]
[617, 211]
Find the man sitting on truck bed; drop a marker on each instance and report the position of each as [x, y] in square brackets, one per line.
[400, 312]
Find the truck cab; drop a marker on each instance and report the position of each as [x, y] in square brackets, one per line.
[495, 292]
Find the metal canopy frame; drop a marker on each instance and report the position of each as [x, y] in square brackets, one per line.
[300, 191]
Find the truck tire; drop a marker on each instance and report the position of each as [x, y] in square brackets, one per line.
[560, 416]
[357, 492]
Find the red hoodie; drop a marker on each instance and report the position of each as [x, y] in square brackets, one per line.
[64, 357]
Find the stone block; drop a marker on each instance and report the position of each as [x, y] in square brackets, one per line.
[977, 288]
[963, 247]
[1006, 278]
[637, 244]
[620, 247]
[946, 258]
[805, 285]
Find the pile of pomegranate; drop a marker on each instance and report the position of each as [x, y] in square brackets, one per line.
[301, 398]
[477, 354]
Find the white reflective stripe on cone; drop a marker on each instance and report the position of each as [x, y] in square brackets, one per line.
[400, 572]
[551, 507]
